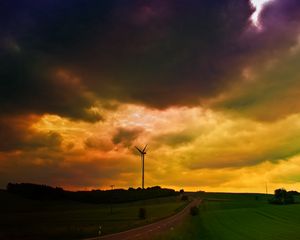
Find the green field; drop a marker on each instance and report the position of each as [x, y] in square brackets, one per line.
[22, 218]
[239, 217]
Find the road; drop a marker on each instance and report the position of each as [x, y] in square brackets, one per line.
[153, 228]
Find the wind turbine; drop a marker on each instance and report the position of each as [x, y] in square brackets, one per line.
[143, 153]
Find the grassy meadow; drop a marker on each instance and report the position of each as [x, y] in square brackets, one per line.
[22, 218]
[226, 216]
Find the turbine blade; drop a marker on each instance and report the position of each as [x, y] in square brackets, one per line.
[139, 149]
[145, 148]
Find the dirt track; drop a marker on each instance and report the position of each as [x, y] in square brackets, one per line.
[145, 232]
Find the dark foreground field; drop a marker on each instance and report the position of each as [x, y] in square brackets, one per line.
[21, 218]
[223, 216]
[239, 217]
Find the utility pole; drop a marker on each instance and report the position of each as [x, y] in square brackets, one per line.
[267, 191]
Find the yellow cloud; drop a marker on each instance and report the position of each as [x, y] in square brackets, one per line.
[195, 148]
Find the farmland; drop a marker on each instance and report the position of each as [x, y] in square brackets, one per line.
[223, 216]
[22, 218]
[240, 217]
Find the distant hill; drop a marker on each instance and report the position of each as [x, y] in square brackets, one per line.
[44, 192]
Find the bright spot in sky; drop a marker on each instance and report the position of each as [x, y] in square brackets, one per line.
[258, 4]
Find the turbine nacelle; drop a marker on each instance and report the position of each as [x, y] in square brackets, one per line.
[142, 151]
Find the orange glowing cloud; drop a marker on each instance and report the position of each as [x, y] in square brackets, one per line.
[188, 147]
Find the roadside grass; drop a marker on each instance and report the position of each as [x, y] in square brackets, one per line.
[27, 219]
[239, 217]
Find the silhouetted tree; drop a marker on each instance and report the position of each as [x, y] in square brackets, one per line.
[43, 192]
[281, 196]
[35, 191]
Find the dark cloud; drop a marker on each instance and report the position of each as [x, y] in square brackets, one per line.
[31, 85]
[270, 91]
[174, 55]
[159, 53]
[279, 31]
[98, 144]
[16, 134]
[278, 13]
[126, 136]
[175, 139]
[29, 69]
[272, 94]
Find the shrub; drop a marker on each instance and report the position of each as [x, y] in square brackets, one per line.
[194, 211]
[142, 213]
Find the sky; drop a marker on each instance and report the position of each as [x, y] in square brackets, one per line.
[211, 86]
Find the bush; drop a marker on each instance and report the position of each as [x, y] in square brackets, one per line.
[194, 211]
[142, 213]
[184, 198]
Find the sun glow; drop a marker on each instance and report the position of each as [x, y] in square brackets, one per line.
[258, 4]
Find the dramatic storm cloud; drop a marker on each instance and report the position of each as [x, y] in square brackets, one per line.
[210, 85]
[153, 52]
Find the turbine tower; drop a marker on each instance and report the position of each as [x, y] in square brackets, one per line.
[143, 153]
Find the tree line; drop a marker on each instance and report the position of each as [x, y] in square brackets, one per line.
[282, 196]
[44, 192]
